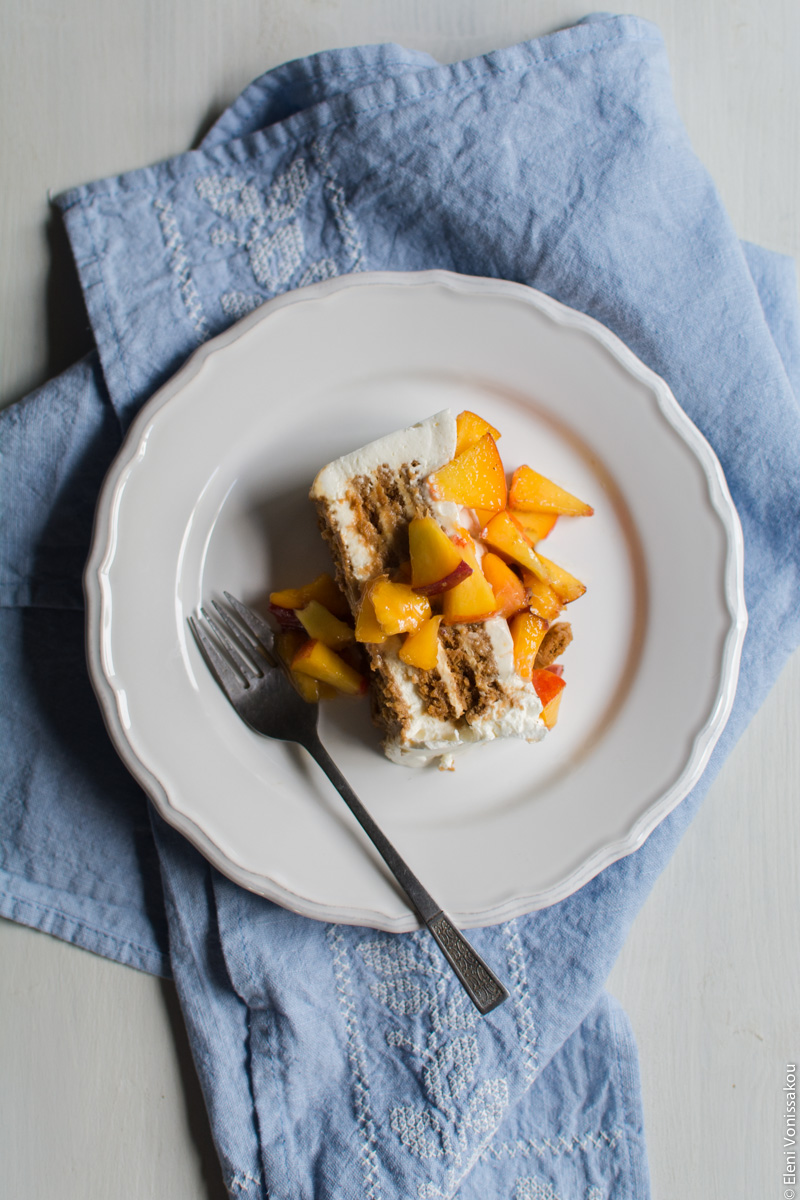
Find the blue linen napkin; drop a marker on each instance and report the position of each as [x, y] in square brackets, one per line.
[337, 1061]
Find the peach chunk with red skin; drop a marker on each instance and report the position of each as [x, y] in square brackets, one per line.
[436, 564]
[536, 493]
[475, 478]
[472, 600]
[548, 687]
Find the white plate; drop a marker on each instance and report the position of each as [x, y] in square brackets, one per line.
[209, 492]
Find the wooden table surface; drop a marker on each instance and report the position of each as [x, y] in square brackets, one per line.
[98, 1097]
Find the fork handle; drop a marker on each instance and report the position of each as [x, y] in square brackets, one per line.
[479, 982]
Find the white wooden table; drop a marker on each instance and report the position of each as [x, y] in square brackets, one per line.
[98, 1097]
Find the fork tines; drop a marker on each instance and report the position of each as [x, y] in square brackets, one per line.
[243, 643]
[257, 626]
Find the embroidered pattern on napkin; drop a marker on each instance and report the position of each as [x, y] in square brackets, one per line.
[265, 225]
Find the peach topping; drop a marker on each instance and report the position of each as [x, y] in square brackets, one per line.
[470, 428]
[531, 492]
[474, 478]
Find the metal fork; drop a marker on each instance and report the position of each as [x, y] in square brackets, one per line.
[265, 698]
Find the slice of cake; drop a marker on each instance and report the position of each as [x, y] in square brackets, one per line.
[441, 603]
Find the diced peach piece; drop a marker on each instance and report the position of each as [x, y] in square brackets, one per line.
[319, 622]
[542, 600]
[473, 599]
[549, 713]
[316, 659]
[566, 586]
[536, 525]
[527, 631]
[287, 643]
[398, 608]
[436, 564]
[474, 478]
[421, 648]
[535, 493]
[504, 534]
[509, 590]
[548, 687]
[367, 627]
[291, 597]
[470, 428]
[328, 592]
[311, 689]
[484, 516]
[323, 589]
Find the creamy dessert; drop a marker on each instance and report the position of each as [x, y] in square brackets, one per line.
[449, 596]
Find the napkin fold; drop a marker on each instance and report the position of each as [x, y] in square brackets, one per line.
[338, 1061]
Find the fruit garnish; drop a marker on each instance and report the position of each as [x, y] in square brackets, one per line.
[503, 533]
[316, 659]
[548, 687]
[367, 627]
[474, 478]
[421, 648]
[536, 525]
[470, 428]
[535, 493]
[509, 590]
[323, 589]
[484, 515]
[398, 608]
[542, 600]
[566, 586]
[527, 631]
[474, 599]
[467, 579]
[287, 643]
[436, 564]
[320, 623]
